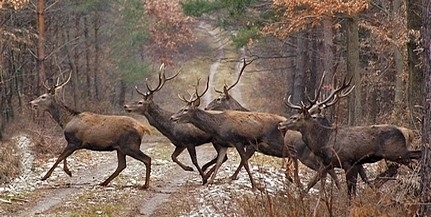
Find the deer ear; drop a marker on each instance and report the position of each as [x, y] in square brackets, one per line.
[51, 91]
[148, 96]
[196, 103]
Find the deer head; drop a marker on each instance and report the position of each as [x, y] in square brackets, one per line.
[44, 101]
[224, 101]
[184, 114]
[314, 107]
[147, 97]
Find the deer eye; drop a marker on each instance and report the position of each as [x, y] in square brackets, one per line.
[43, 97]
[140, 103]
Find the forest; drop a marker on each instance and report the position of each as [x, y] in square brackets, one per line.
[110, 47]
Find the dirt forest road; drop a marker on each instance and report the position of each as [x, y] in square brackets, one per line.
[80, 194]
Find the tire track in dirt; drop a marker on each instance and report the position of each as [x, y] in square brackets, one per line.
[220, 54]
[79, 182]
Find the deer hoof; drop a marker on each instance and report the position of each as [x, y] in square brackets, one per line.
[234, 177]
[144, 187]
[204, 181]
[103, 184]
[68, 172]
[188, 169]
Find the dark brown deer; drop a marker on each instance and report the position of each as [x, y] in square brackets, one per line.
[231, 129]
[348, 146]
[225, 101]
[85, 130]
[291, 139]
[183, 136]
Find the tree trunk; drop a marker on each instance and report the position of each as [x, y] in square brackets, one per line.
[87, 58]
[399, 97]
[298, 83]
[425, 207]
[328, 56]
[290, 73]
[41, 42]
[414, 23]
[96, 55]
[352, 34]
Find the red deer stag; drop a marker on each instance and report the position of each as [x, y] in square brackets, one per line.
[291, 139]
[231, 129]
[182, 136]
[348, 146]
[225, 101]
[85, 130]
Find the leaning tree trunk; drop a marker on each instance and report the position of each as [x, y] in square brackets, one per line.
[425, 207]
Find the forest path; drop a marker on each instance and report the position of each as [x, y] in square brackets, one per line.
[80, 195]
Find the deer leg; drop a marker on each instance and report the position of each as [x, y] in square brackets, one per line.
[249, 152]
[65, 168]
[139, 155]
[121, 165]
[334, 177]
[351, 178]
[214, 160]
[192, 152]
[214, 169]
[174, 156]
[363, 175]
[244, 162]
[319, 175]
[67, 152]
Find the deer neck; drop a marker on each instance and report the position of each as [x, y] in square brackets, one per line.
[237, 106]
[207, 122]
[315, 135]
[61, 113]
[159, 118]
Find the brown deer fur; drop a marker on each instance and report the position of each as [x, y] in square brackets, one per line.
[349, 146]
[85, 130]
[233, 129]
[182, 136]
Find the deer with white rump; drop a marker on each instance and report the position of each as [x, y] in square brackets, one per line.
[85, 130]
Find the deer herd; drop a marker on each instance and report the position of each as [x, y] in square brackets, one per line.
[307, 136]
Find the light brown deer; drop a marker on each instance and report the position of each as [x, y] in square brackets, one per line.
[348, 146]
[231, 129]
[85, 130]
[183, 136]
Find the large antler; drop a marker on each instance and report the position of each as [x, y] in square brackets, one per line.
[334, 96]
[161, 81]
[338, 93]
[227, 88]
[58, 85]
[195, 97]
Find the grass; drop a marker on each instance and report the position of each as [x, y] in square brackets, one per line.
[10, 162]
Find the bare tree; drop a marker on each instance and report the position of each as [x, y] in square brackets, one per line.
[425, 208]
